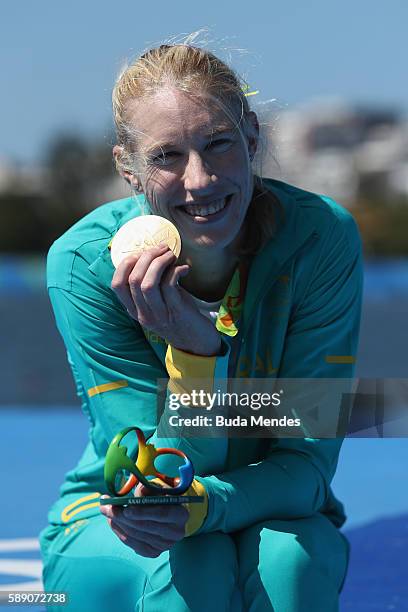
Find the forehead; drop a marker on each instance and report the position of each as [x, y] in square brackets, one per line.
[173, 116]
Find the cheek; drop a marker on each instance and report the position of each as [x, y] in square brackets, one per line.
[159, 188]
[236, 167]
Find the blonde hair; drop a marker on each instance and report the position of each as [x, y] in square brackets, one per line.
[196, 71]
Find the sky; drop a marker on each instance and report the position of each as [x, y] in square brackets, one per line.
[59, 61]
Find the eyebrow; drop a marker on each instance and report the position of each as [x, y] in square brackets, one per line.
[216, 131]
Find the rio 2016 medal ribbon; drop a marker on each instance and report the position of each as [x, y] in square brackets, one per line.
[142, 233]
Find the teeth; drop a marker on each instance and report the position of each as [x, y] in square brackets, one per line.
[205, 211]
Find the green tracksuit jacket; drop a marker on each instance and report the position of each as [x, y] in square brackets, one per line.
[300, 319]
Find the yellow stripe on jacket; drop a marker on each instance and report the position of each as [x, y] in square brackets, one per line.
[188, 371]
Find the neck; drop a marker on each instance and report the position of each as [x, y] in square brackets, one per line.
[210, 274]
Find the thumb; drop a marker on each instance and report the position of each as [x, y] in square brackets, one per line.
[180, 272]
[143, 491]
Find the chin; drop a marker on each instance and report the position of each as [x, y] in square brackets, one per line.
[213, 241]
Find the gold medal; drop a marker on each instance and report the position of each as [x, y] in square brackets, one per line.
[142, 233]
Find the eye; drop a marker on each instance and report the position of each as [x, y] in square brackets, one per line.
[220, 144]
[164, 159]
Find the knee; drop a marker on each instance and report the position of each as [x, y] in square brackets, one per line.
[298, 560]
[95, 584]
[272, 546]
[92, 566]
[204, 571]
[216, 552]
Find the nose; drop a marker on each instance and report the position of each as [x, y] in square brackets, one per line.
[197, 174]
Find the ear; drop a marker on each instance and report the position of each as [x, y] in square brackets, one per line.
[130, 178]
[252, 133]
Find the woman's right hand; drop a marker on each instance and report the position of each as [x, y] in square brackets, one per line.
[147, 285]
[148, 530]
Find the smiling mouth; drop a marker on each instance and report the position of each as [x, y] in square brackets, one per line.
[208, 210]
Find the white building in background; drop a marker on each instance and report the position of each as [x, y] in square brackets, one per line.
[398, 178]
[385, 155]
[331, 147]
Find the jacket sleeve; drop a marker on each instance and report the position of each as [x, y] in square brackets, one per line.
[293, 480]
[116, 373]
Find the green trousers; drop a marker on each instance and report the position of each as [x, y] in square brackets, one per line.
[281, 566]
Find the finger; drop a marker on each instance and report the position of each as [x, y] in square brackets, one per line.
[144, 290]
[172, 527]
[142, 490]
[111, 511]
[143, 549]
[118, 530]
[121, 274]
[146, 532]
[146, 492]
[157, 514]
[174, 274]
[120, 284]
[148, 289]
[120, 279]
[171, 290]
[151, 547]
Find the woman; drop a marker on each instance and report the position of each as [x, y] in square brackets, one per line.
[279, 272]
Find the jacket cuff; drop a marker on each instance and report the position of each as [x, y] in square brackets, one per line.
[197, 511]
[185, 368]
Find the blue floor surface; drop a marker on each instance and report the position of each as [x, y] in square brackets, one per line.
[39, 446]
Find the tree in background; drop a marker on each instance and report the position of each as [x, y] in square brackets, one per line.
[74, 171]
